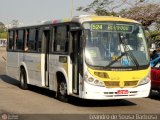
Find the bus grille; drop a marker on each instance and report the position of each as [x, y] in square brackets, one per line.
[112, 83]
[117, 84]
[130, 83]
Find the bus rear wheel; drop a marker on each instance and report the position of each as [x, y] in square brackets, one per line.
[62, 91]
[23, 80]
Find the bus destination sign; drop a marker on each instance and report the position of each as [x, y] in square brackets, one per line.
[112, 27]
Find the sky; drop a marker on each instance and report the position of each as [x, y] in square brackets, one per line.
[35, 11]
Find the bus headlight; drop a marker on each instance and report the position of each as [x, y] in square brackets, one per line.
[90, 79]
[95, 82]
[144, 81]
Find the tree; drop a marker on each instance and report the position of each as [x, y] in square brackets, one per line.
[15, 23]
[141, 10]
[109, 7]
[3, 29]
[102, 7]
[146, 14]
[1, 24]
[149, 15]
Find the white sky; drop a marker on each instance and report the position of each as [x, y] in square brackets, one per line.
[34, 11]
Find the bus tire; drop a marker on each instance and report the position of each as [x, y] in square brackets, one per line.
[62, 91]
[23, 80]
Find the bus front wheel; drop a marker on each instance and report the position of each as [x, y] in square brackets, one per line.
[62, 91]
[23, 80]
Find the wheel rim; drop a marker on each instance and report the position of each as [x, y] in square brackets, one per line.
[63, 88]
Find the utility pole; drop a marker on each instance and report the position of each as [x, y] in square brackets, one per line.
[72, 9]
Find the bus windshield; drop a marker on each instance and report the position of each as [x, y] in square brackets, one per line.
[115, 44]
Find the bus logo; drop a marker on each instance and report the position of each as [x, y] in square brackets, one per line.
[121, 84]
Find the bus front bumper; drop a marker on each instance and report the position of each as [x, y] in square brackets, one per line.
[103, 93]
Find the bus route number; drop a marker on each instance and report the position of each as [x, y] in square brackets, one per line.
[96, 26]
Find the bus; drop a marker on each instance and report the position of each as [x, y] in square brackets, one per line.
[89, 57]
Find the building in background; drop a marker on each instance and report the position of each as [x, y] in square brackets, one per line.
[3, 42]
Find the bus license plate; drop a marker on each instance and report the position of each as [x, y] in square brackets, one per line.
[122, 92]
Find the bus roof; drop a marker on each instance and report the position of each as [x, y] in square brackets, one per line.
[86, 18]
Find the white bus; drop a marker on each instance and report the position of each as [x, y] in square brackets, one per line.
[90, 57]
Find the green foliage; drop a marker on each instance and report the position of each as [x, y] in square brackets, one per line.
[3, 35]
[154, 36]
[3, 31]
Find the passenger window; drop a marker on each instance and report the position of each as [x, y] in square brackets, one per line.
[11, 41]
[19, 39]
[32, 40]
[61, 39]
[38, 41]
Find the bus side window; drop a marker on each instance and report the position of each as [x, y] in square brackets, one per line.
[19, 39]
[37, 42]
[27, 38]
[33, 40]
[61, 39]
[10, 41]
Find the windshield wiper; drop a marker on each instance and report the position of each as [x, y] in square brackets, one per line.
[112, 62]
[128, 52]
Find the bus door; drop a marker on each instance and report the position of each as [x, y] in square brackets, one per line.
[46, 39]
[75, 55]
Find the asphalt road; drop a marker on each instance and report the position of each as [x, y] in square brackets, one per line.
[39, 101]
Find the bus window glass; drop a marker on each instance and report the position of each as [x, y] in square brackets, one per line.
[38, 41]
[60, 44]
[19, 40]
[11, 40]
[115, 45]
[32, 41]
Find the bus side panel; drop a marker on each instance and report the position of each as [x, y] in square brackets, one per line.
[56, 65]
[33, 65]
[53, 69]
[52, 73]
[13, 60]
